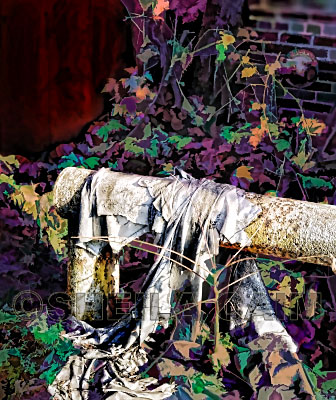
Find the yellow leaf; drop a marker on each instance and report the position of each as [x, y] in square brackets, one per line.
[141, 93]
[26, 197]
[244, 172]
[312, 126]
[248, 72]
[161, 6]
[271, 68]
[256, 106]
[259, 132]
[9, 161]
[233, 56]
[245, 60]
[226, 39]
[221, 356]
[243, 33]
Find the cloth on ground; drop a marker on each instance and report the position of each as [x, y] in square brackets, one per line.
[188, 216]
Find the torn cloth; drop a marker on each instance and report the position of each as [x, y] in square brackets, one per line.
[188, 216]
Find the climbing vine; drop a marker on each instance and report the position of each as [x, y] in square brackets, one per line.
[196, 101]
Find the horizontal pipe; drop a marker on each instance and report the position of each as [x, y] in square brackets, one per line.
[285, 228]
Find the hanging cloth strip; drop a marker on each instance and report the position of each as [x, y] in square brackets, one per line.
[188, 216]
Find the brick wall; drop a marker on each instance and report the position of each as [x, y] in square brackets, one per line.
[284, 26]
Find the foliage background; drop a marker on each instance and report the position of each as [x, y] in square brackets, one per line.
[195, 100]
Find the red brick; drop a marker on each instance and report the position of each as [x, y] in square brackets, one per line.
[294, 15]
[326, 97]
[264, 25]
[324, 18]
[324, 41]
[316, 107]
[281, 26]
[268, 36]
[327, 76]
[300, 39]
[327, 66]
[287, 103]
[302, 94]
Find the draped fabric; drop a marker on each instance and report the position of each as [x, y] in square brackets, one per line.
[189, 217]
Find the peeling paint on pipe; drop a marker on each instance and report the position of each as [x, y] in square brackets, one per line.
[286, 228]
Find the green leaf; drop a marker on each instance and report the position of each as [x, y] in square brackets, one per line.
[70, 160]
[148, 76]
[64, 349]
[296, 120]
[91, 162]
[329, 385]
[210, 279]
[147, 131]
[7, 179]
[47, 335]
[50, 374]
[5, 318]
[243, 356]
[4, 355]
[233, 136]
[180, 141]
[282, 144]
[113, 165]
[112, 125]
[221, 52]
[198, 121]
[187, 106]
[153, 150]
[274, 129]
[317, 369]
[130, 145]
[310, 182]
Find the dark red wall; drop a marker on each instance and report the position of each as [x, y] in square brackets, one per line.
[55, 57]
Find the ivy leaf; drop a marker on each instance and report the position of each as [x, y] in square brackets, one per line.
[310, 182]
[233, 136]
[221, 52]
[131, 146]
[259, 132]
[4, 355]
[91, 162]
[312, 126]
[160, 7]
[248, 72]
[145, 4]
[50, 374]
[271, 68]
[245, 60]
[26, 197]
[69, 160]
[243, 356]
[226, 39]
[295, 120]
[109, 86]
[10, 161]
[187, 106]
[7, 179]
[44, 334]
[64, 349]
[317, 369]
[112, 125]
[180, 141]
[282, 144]
[5, 318]
[142, 92]
[244, 172]
[329, 385]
